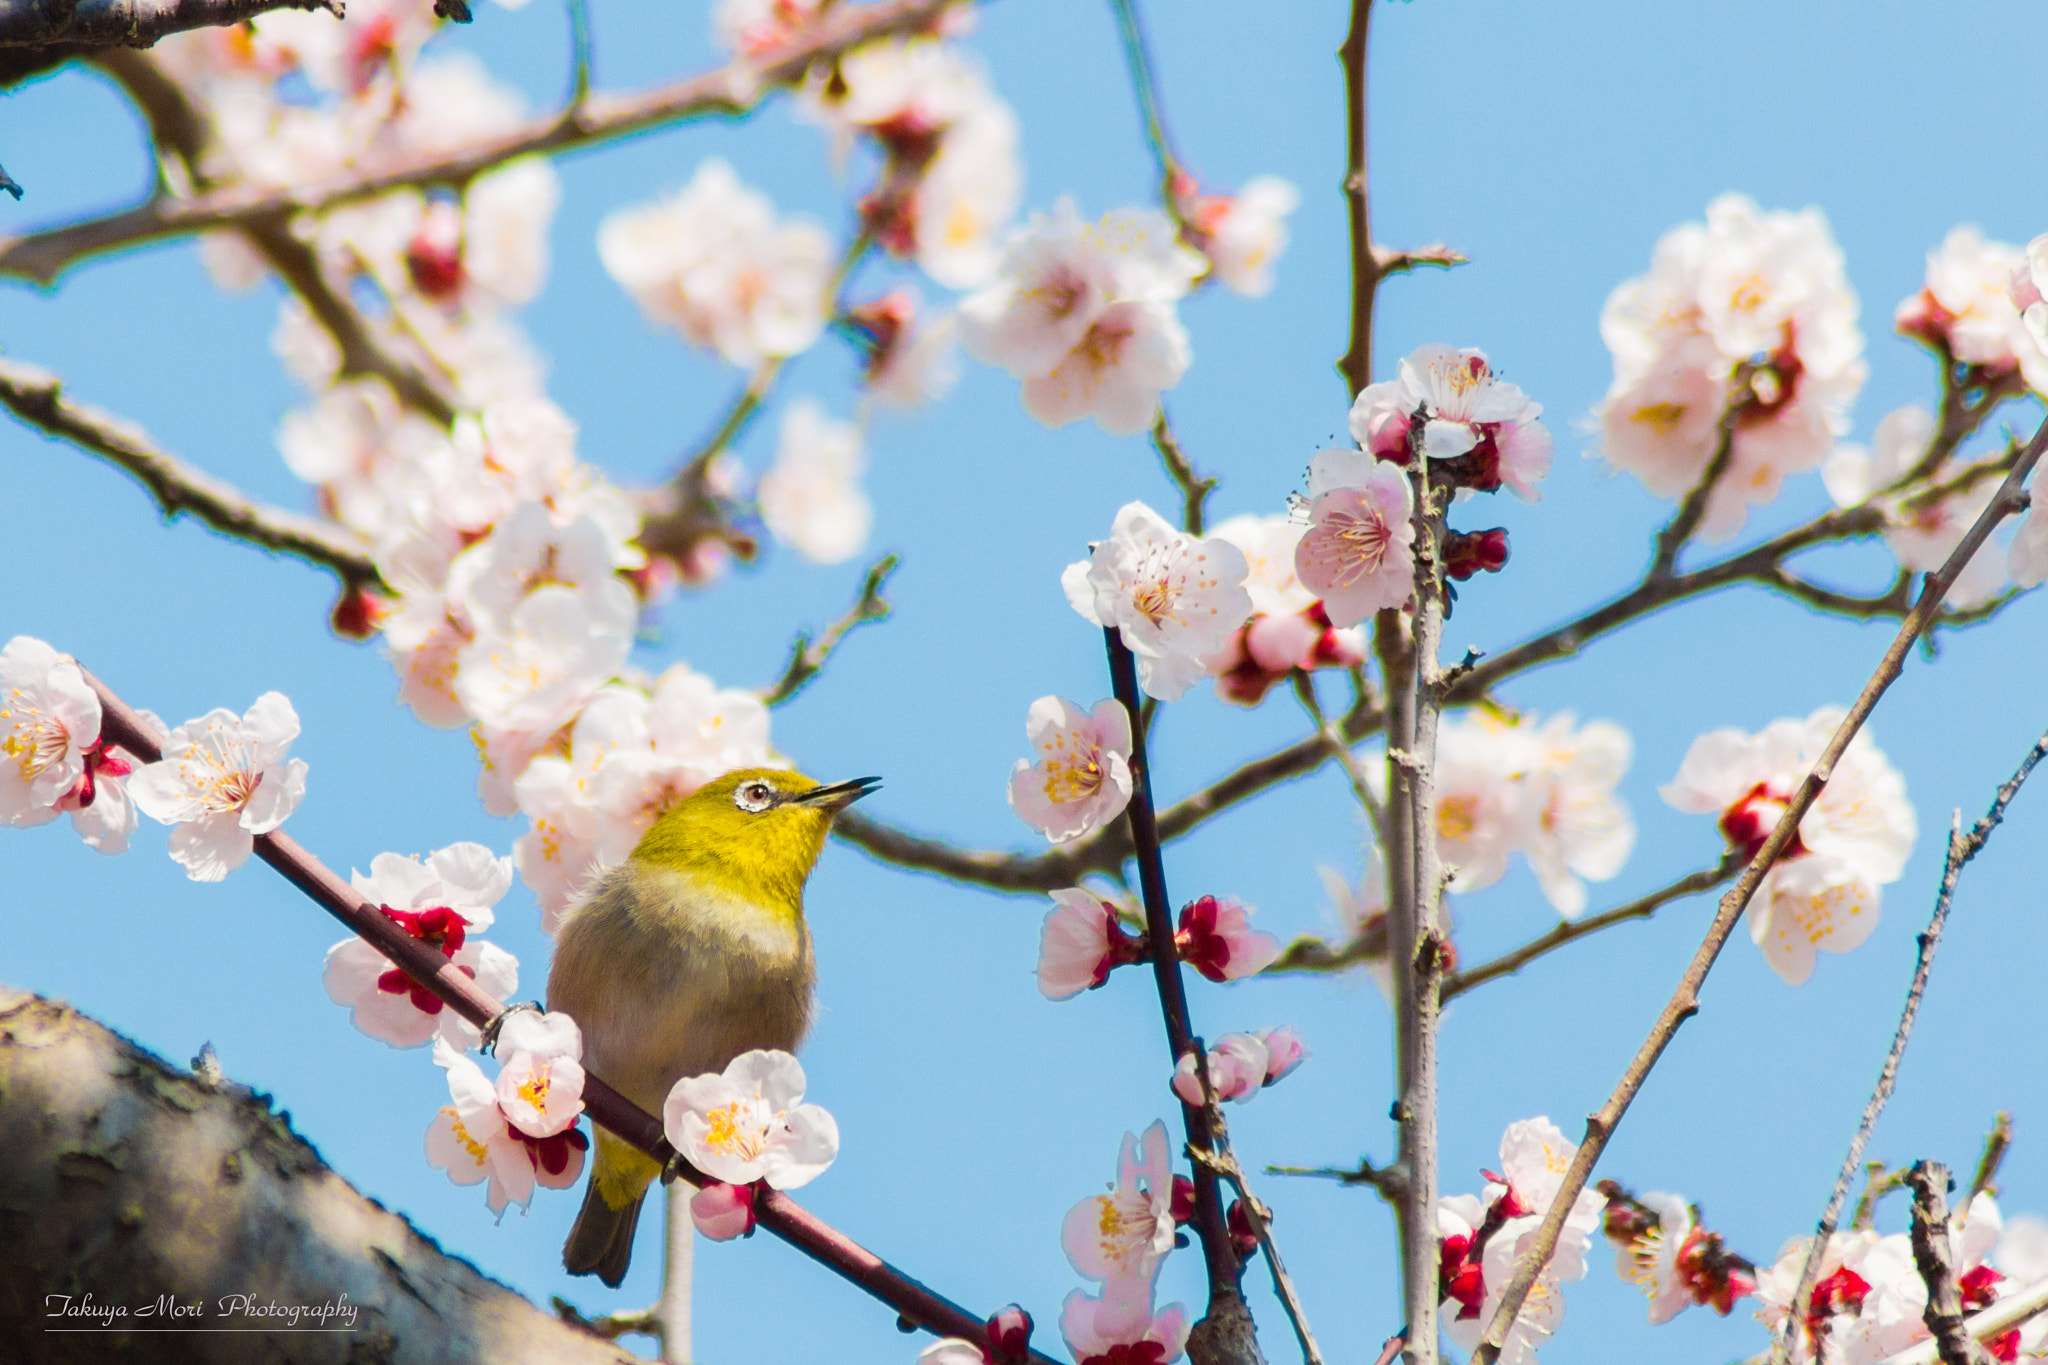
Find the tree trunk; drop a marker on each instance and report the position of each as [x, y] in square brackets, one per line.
[140, 1204]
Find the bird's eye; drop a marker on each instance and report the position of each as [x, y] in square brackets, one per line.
[754, 797]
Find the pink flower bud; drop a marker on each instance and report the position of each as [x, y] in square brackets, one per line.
[1243, 1240]
[1009, 1335]
[1216, 940]
[1182, 1204]
[1237, 1070]
[1280, 643]
[1081, 943]
[434, 256]
[723, 1212]
[1468, 553]
[1284, 1052]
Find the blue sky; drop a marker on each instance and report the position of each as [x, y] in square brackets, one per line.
[1553, 144]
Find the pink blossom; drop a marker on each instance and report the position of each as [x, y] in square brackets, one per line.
[747, 1123]
[1174, 599]
[540, 1083]
[1122, 1235]
[223, 780]
[1120, 1328]
[1238, 1066]
[723, 1212]
[1921, 537]
[1488, 427]
[1082, 779]
[473, 1141]
[1245, 233]
[1359, 549]
[1284, 1052]
[1217, 940]
[1080, 944]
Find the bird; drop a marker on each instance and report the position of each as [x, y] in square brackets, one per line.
[691, 952]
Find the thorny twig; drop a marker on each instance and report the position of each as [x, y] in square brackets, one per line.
[807, 656]
[1570, 931]
[1684, 1002]
[37, 397]
[780, 1215]
[1961, 849]
[1929, 1181]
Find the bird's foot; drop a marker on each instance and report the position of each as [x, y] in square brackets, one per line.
[490, 1038]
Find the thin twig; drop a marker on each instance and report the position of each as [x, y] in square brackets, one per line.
[1877, 1183]
[1961, 849]
[1391, 262]
[579, 49]
[1996, 1144]
[1385, 1179]
[1310, 954]
[1943, 1315]
[1693, 509]
[1684, 1002]
[807, 656]
[1139, 59]
[780, 1215]
[1366, 270]
[1572, 930]
[1194, 488]
[1333, 742]
[1260, 1217]
[37, 397]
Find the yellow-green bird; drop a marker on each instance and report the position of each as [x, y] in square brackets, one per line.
[691, 952]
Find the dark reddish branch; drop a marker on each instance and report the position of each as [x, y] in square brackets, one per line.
[778, 1213]
[1173, 996]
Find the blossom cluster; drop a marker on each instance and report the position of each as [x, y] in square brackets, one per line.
[1744, 330]
[519, 1130]
[1662, 1249]
[1083, 940]
[52, 759]
[1118, 1240]
[1822, 895]
[1483, 1236]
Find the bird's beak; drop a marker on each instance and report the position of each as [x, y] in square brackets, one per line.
[839, 795]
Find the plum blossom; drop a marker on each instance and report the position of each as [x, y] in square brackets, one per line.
[1749, 310]
[223, 780]
[1359, 549]
[1241, 1065]
[473, 1140]
[1245, 233]
[1120, 1236]
[1289, 628]
[1083, 314]
[910, 352]
[1215, 937]
[952, 1351]
[1967, 308]
[1483, 1238]
[557, 646]
[1120, 1328]
[1081, 942]
[1921, 536]
[1487, 426]
[811, 498]
[443, 900]
[1176, 600]
[1663, 1250]
[540, 1085]
[713, 262]
[969, 193]
[2030, 296]
[747, 1123]
[49, 723]
[1823, 893]
[1082, 779]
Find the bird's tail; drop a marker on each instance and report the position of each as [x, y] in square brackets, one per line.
[601, 1242]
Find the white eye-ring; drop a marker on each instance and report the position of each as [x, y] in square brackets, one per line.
[753, 797]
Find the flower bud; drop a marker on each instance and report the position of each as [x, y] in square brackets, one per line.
[1469, 552]
[1182, 1205]
[1243, 1240]
[723, 1212]
[1009, 1335]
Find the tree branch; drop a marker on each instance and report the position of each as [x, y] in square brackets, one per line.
[1961, 849]
[83, 24]
[37, 397]
[1943, 1315]
[1572, 930]
[733, 89]
[1194, 488]
[1684, 1002]
[1996, 1144]
[1366, 270]
[1260, 1217]
[807, 656]
[424, 964]
[1385, 1179]
[2008, 1313]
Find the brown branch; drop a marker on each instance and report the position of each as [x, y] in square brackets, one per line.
[1693, 509]
[1877, 1183]
[1392, 262]
[1684, 1002]
[733, 89]
[807, 656]
[1996, 1144]
[1929, 1181]
[85, 24]
[1310, 954]
[1961, 849]
[2008, 1313]
[1366, 271]
[778, 1213]
[1194, 488]
[1225, 1164]
[37, 397]
[1572, 930]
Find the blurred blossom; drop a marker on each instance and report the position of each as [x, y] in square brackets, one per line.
[1922, 538]
[811, 497]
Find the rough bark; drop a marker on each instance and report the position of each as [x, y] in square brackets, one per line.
[142, 1185]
